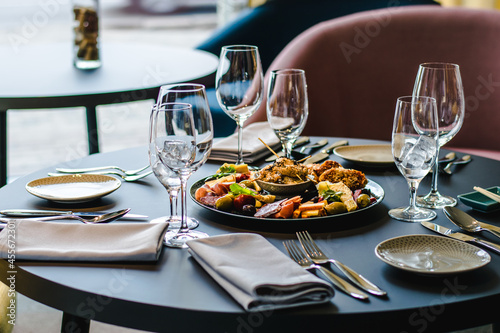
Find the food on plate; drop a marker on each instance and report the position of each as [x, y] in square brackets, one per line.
[284, 171]
[234, 189]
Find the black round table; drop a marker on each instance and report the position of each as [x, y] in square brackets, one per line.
[176, 294]
[43, 76]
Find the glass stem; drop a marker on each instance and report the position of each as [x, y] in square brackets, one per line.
[287, 148]
[239, 124]
[435, 171]
[413, 185]
[184, 226]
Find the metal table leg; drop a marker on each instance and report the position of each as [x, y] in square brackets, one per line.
[72, 324]
[93, 135]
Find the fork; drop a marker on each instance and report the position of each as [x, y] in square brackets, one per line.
[318, 257]
[111, 167]
[116, 173]
[300, 258]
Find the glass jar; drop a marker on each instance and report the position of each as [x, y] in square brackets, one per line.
[86, 28]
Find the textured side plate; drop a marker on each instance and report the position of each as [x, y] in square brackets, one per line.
[428, 254]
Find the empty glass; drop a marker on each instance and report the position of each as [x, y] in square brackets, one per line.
[287, 105]
[170, 181]
[180, 149]
[443, 82]
[239, 85]
[414, 148]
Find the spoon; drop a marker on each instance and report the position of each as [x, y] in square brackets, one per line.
[462, 160]
[104, 218]
[465, 221]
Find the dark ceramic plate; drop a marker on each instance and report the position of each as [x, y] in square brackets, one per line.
[293, 224]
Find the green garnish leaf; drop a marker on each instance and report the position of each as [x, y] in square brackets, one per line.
[237, 189]
[227, 169]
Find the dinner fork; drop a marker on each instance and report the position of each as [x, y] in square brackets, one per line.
[104, 218]
[300, 258]
[116, 173]
[111, 167]
[318, 257]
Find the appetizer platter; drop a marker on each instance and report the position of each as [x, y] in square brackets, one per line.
[287, 192]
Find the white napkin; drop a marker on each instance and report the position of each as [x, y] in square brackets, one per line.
[36, 240]
[226, 149]
[256, 274]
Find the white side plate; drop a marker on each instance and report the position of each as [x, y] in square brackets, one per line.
[73, 188]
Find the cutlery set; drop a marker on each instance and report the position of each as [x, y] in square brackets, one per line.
[467, 223]
[311, 257]
[450, 160]
[126, 175]
[104, 218]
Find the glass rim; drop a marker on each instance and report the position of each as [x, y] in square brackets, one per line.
[180, 87]
[240, 47]
[288, 71]
[409, 98]
[439, 65]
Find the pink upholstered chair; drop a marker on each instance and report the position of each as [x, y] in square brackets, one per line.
[356, 66]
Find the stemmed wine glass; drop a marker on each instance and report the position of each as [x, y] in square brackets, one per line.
[443, 82]
[170, 181]
[179, 148]
[239, 85]
[194, 94]
[287, 105]
[414, 148]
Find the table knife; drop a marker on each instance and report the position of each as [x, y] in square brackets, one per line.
[41, 212]
[462, 237]
[325, 153]
[300, 142]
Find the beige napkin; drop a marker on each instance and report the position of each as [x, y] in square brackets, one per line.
[256, 274]
[226, 149]
[36, 240]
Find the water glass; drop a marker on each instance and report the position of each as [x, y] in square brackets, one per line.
[414, 149]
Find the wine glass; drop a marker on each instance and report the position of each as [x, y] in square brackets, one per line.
[180, 149]
[287, 106]
[194, 94]
[239, 85]
[170, 181]
[443, 82]
[414, 148]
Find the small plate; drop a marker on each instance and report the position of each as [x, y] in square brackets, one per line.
[428, 254]
[368, 155]
[73, 188]
[479, 201]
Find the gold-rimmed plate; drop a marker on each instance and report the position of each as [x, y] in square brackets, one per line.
[431, 255]
[367, 155]
[73, 188]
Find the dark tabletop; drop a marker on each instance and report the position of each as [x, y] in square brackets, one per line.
[156, 296]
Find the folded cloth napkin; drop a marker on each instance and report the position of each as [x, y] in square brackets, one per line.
[226, 149]
[36, 240]
[256, 274]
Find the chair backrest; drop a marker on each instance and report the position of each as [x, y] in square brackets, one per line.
[356, 67]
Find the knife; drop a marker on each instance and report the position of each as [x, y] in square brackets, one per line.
[325, 153]
[300, 142]
[463, 237]
[41, 212]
